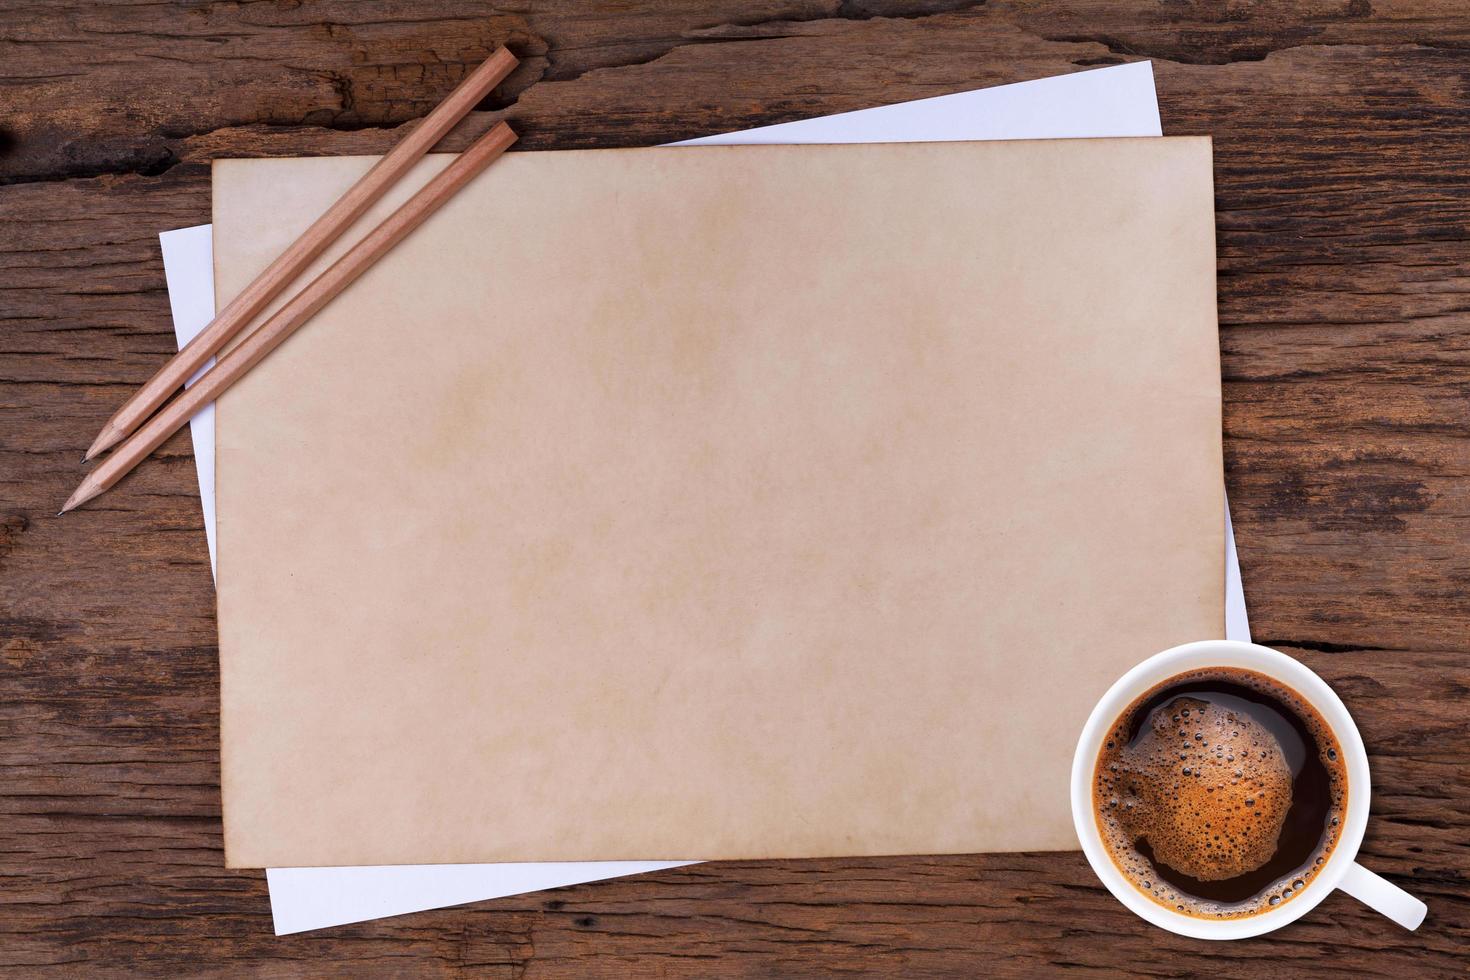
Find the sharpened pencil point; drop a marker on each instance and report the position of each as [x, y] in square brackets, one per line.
[80, 496]
[105, 440]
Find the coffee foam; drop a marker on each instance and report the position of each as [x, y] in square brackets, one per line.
[1237, 769]
[1208, 789]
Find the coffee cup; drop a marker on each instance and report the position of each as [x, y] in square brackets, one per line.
[1340, 869]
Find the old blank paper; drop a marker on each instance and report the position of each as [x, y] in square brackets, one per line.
[792, 477]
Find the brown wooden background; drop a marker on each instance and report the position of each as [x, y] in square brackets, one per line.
[1342, 139]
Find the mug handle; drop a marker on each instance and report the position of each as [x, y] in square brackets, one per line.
[1383, 896]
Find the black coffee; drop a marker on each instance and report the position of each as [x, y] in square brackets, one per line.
[1220, 792]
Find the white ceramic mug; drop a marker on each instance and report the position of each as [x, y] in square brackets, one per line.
[1340, 871]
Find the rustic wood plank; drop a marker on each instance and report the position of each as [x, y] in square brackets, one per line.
[1344, 251]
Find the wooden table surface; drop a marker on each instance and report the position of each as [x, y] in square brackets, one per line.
[1342, 142]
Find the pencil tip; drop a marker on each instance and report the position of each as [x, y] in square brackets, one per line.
[105, 440]
[80, 496]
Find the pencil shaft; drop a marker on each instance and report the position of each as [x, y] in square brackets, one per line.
[302, 252]
[300, 308]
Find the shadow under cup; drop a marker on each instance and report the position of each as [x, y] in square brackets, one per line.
[1290, 674]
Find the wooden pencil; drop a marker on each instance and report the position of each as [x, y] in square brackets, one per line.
[300, 308]
[302, 252]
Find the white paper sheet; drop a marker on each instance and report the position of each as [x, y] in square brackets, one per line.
[1237, 625]
[1115, 101]
[188, 268]
[313, 898]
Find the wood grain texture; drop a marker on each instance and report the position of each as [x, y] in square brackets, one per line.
[1343, 191]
